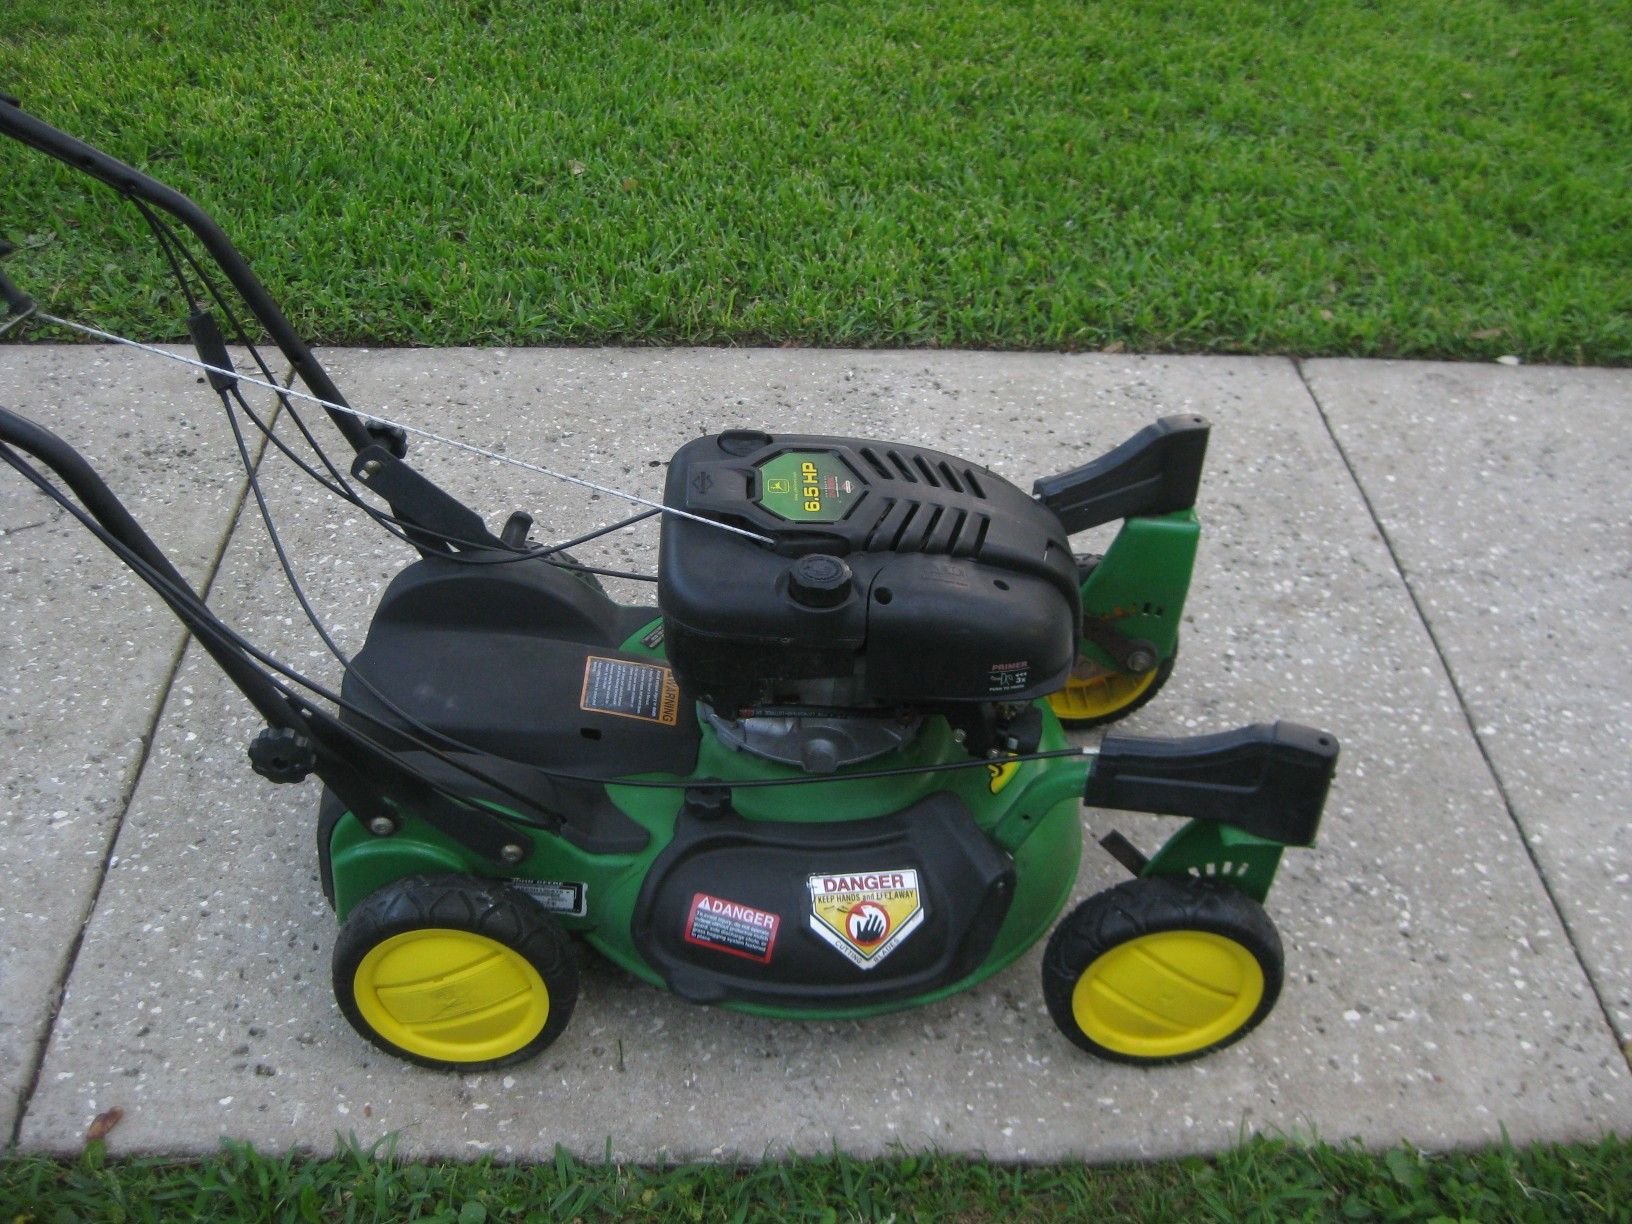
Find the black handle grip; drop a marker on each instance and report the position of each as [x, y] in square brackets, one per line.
[1157, 471]
[1269, 779]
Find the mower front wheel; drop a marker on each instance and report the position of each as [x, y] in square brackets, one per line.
[455, 973]
[1162, 969]
[1107, 697]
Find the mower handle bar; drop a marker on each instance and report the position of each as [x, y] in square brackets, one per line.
[128, 181]
[105, 507]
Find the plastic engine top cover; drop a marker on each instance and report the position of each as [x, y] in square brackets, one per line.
[916, 577]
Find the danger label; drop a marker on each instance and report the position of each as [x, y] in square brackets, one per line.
[865, 915]
[630, 690]
[730, 926]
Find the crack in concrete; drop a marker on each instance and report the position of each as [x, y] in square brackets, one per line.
[25, 1097]
[1598, 992]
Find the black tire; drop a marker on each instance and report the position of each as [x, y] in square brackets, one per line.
[1164, 669]
[455, 973]
[1186, 945]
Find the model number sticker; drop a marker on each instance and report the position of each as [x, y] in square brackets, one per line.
[557, 896]
[630, 690]
[866, 914]
[730, 926]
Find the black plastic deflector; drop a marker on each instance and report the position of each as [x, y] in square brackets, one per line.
[1269, 780]
[766, 868]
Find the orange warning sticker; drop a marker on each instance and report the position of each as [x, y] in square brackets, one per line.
[630, 690]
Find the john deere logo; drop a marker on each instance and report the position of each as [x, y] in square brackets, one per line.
[865, 915]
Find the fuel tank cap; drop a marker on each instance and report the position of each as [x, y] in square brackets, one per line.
[819, 580]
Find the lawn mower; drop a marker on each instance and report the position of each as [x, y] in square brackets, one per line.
[827, 775]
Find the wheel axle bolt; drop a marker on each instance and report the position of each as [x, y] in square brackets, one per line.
[512, 853]
[1139, 661]
[382, 826]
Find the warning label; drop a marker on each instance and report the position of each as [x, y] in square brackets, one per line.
[630, 690]
[867, 914]
[729, 926]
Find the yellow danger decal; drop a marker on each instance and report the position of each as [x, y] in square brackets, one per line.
[866, 914]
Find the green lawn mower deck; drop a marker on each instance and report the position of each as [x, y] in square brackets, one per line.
[827, 775]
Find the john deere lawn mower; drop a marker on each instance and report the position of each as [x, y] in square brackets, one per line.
[825, 776]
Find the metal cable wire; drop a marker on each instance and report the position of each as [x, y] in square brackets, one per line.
[416, 431]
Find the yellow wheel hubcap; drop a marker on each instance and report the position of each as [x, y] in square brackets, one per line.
[1099, 696]
[451, 995]
[1168, 994]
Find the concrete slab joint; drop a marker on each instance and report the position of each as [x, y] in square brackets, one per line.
[1433, 993]
[1514, 543]
[85, 715]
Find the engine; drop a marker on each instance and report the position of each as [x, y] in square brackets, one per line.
[899, 582]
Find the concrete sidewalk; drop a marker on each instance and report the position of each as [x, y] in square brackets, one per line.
[1429, 560]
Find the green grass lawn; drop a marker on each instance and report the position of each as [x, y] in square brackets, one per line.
[1263, 1180]
[1448, 178]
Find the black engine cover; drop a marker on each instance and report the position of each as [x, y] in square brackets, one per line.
[918, 577]
[733, 909]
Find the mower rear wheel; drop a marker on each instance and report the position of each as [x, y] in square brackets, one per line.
[1162, 969]
[455, 973]
[1106, 698]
